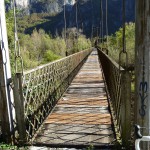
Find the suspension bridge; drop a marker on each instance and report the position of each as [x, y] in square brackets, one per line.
[66, 103]
[81, 116]
[83, 100]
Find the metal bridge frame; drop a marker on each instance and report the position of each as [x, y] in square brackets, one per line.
[7, 114]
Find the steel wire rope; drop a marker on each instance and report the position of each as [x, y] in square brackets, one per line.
[102, 26]
[124, 26]
[92, 19]
[123, 36]
[17, 44]
[80, 19]
[76, 10]
[77, 15]
[75, 18]
[106, 23]
[65, 27]
[65, 20]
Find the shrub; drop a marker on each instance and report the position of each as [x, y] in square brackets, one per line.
[50, 56]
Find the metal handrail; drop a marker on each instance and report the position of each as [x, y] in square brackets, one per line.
[118, 82]
[38, 90]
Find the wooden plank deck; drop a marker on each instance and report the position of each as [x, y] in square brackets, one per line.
[81, 117]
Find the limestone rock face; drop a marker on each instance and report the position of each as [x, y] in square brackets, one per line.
[39, 6]
[48, 5]
[89, 14]
[70, 2]
[22, 3]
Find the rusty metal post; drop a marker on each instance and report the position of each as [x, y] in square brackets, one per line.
[19, 107]
[126, 108]
[142, 67]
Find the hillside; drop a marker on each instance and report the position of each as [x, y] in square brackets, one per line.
[51, 15]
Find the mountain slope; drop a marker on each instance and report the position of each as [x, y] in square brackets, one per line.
[88, 14]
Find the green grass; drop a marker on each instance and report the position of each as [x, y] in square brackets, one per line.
[4, 146]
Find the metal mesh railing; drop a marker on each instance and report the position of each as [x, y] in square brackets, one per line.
[118, 81]
[40, 88]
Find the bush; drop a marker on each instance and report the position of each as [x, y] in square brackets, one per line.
[76, 41]
[39, 47]
[50, 56]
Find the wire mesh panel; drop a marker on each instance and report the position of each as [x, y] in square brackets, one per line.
[118, 82]
[43, 86]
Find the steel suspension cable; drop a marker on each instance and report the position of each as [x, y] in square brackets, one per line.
[80, 18]
[15, 27]
[92, 19]
[124, 26]
[65, 27]
[17, 44]
[102, 21]
[100, 24]
[77, 23]
[77, 14]
[106, 22]
[65, 20]
[123, 36]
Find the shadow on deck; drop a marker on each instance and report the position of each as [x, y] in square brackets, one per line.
[81, 117]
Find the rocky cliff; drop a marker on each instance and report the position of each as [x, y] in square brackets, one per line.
[38, 6]
[88, 13]
[22, 3]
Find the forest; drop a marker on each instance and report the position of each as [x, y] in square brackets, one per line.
[40, 47]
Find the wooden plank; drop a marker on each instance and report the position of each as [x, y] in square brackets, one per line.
[81, 116]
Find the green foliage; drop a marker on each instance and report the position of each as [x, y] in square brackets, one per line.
[58, 46]
[32, 20]
[7, 1]
[91, 147]
[5, 147]
[50, 56]
[35, 48]
[40, 47]
[10, 27]
[115, 43]
[83, 43]
[76, 41]
[10, 32]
